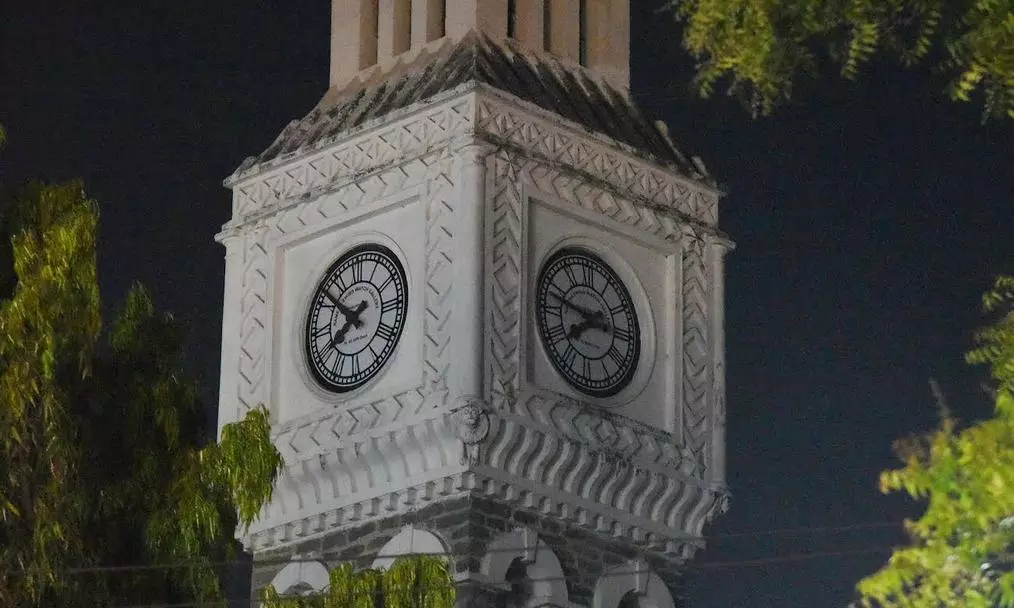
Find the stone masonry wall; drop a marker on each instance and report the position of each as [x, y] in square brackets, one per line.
[467, 524]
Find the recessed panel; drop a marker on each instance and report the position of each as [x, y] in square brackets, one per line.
[346, 312]
[599, 322]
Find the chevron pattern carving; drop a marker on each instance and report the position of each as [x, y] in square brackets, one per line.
[608, 164]
[601, 472]
[503, 269]
[439, 272]
[696, 349]
[282, 182]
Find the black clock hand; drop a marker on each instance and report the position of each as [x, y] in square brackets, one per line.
[579, 328]
[587, 313]
[351, 315]
[351, 320]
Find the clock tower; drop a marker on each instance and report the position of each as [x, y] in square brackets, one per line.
[480, 294]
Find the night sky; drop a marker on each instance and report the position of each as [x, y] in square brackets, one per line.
[869, 218]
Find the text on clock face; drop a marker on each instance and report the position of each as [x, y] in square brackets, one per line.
[356, 318]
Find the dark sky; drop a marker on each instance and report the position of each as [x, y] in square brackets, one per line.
[869, 219]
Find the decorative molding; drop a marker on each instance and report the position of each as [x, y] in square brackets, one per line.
[600, 161]
[696, 350]
[347, 156]
[600, 471]
[504, 276]
[471, 426]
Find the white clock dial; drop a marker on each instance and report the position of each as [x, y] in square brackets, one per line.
[356, 318]
[587, 322]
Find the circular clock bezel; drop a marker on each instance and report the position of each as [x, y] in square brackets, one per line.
[630, 296]
[319, 381]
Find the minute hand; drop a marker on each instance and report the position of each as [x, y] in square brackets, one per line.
[581, 310]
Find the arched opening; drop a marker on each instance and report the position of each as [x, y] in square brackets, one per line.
[519, 585]
[301, 578]
[631, 585]
[410, 541]
[630, 600]
[527, 567]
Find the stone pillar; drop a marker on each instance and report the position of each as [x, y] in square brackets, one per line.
[716, 468]
[427, 21]
[564, 24]
[529, 24]
[466, 375]
[228, 398]
[353, 38]
[486, 16]
[608, 40]
[393, 29]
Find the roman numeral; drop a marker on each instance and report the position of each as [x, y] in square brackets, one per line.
[357, 272]
[385, 332]
[569, 271]
[615, 356]
[320, 332]
[390, 278]
[586, 369]
[549, 309]
[569, 356]
[339, 363]
[621, 333]
[355, 365]
[587, 274]
[556, 333]
[390, 305]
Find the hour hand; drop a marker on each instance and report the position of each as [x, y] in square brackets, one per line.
[351, 314]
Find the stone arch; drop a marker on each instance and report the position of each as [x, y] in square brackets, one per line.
[636, 577]
[542, 566]
[409, 540]
[301, 578]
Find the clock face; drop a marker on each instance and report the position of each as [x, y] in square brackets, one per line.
[587, 322]
[357, 314]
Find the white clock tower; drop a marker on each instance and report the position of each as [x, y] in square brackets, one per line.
[481, 295]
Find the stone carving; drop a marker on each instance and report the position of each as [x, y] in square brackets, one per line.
[471, 426]
[696, 349]
[503, 269]
[606, 164]
[347, 156]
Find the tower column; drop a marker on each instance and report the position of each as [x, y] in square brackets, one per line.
[466, 378]
[530, 23]
[564, 27]
[486, 16]
[608, 40]
[353, 38]
[427, 21]
[393, 28]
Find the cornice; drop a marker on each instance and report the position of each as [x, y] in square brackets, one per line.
[599, 471]
[663, 195]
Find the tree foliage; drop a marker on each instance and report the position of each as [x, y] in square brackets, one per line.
[101, 457]
[962, 548]
[418, 581]
[761, 47]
